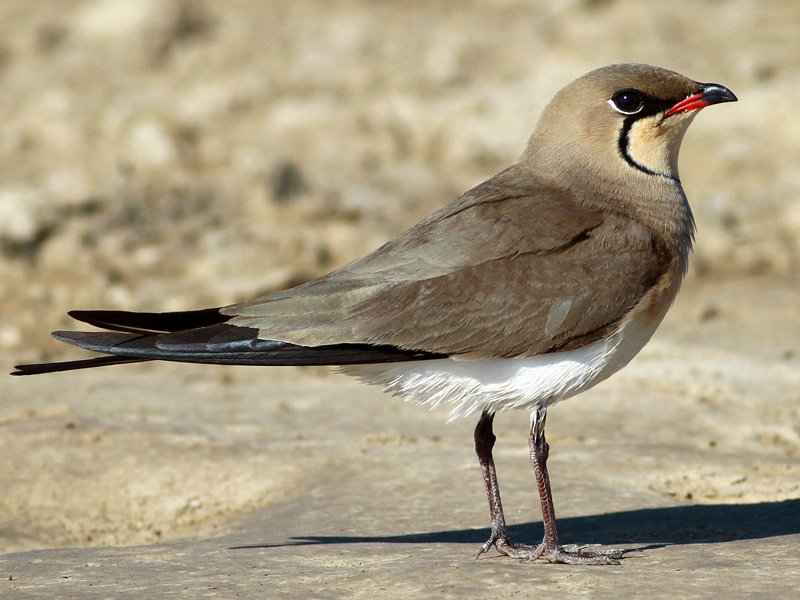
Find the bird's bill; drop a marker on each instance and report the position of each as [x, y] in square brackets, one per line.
[709, 93]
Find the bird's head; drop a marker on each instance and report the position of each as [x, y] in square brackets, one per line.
[620, 122]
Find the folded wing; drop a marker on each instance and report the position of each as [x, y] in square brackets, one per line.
[507, 270]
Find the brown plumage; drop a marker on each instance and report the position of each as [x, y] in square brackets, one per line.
[530, 288]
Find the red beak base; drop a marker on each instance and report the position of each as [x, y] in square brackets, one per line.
[693, 102]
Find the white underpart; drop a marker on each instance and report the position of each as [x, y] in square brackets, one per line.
[500, 384]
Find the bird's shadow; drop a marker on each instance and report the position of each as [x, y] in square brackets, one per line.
[697, 524]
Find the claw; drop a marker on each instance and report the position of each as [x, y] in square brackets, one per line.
[485, 548]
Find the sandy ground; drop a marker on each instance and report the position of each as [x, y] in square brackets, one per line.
[162, 156]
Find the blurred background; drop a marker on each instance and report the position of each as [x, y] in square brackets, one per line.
[166, 155]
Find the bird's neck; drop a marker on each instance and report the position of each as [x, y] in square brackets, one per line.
[655, 201]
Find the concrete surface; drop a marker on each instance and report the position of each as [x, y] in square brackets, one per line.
[690, 457]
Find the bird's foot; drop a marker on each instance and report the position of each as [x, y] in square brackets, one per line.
[571, 554]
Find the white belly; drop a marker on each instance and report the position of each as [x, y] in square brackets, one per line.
[500, 384]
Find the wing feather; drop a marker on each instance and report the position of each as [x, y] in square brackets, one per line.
[497, 273]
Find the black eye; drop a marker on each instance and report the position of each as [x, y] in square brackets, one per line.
[627, 102]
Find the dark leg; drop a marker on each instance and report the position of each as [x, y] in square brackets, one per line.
[550, 548]
[484, 442]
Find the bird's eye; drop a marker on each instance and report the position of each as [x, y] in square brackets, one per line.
[627, 102]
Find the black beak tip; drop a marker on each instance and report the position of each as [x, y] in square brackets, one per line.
[714, 93]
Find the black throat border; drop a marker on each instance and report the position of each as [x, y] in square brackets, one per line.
[623, 143]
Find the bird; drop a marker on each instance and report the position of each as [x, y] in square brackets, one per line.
[528, 289]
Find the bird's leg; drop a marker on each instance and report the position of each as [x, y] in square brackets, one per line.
[484, 442]
[551, 548]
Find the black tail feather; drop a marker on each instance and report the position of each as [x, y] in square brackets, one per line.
[214, 344]
[72, 365]
[144, 322]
